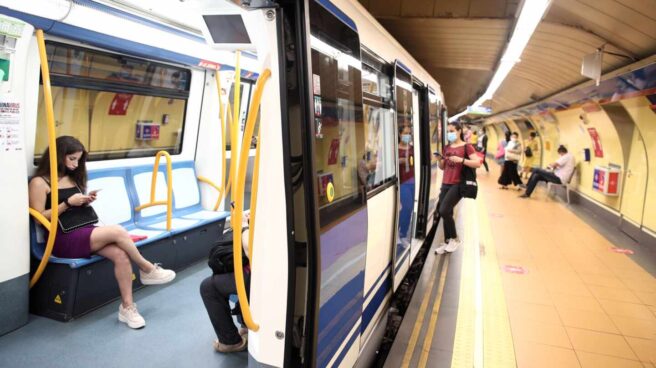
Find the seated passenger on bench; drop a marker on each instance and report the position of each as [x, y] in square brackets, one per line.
[215, 291]
[560, 172]
[112, 242]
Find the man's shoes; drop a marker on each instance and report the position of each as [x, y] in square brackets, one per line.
[524, 196]
[223, 348]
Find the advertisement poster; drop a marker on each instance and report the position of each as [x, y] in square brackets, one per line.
[120, 104]
[10, 129]
[334, 152]
[147, 130]
[596, 142]
[324, 179]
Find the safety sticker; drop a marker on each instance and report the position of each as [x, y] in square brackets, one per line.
[58, 299]
[330, 192]
[519, 270]
[621, 250]
[134, 277]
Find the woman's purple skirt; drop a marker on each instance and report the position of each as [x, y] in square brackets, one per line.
[76, 244]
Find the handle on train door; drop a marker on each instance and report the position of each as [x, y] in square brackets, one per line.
[236, 217]
[54, 177]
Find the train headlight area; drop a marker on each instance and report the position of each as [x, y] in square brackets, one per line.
[338, 183]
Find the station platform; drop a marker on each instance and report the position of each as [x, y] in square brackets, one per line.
[537, 283]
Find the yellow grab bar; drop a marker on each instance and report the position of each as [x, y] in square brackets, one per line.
[169, 188]
[209, 182]
[52, 152]
[235, 122]
[239, 201]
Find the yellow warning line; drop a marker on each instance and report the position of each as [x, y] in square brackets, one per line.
[428, 340]
[498, 347]
[464, 340]
[410, 349]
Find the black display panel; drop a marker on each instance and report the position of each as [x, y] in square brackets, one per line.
[226, 28]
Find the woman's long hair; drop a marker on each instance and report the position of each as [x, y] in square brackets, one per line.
[66, 145]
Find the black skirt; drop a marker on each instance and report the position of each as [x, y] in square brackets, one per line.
[509, 174]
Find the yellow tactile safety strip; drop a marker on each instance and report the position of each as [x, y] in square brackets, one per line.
[428, 340]
[464, 341]
[498, 349]
[497, 345]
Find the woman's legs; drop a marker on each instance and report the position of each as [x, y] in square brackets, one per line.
[122, 271]
[448, 202]
[514, 174]
[103, 236]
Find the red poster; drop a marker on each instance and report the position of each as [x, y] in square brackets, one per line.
[613, 180]
[596, 142]
[334, 152]
[120, 104]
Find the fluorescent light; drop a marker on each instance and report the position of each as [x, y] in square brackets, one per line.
[529, 18]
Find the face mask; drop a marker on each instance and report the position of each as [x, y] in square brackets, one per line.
[405, 138]
[513, 139]
[451, 137]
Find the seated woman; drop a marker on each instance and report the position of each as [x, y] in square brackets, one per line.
[112, 242]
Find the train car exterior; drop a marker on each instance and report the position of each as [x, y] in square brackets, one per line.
[347, 126]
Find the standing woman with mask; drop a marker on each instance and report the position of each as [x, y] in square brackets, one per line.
[454, 156]
[509, 173]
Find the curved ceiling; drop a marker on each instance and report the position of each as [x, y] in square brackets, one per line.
[460, 42]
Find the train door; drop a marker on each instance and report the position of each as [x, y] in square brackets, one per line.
[337, 148]
[434, 138]
[406, 171]
[422, 162]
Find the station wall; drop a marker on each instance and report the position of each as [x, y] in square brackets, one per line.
[627, 133]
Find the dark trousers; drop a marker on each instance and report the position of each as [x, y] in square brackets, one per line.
[540, 175]
[448, 199]
[215, 291]
[509, 174]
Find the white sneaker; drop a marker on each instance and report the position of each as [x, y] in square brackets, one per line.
[131, 316]
[453, 245]
[157, 276]
[441, 249]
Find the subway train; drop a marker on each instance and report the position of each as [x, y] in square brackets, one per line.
[307, 114]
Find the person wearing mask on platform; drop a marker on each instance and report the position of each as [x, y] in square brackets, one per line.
[455, 155]
[509, 173]
[559, 172]
[82, 241]
[481, 146]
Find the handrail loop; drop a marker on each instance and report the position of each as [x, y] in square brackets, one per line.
[169, 188]
[52, 150]
[236, 216]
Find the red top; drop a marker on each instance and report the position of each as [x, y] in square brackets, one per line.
[406, 169]
[452, 169]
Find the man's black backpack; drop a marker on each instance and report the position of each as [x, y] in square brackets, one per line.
[221, 258]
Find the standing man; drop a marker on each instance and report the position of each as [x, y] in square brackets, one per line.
[562, 172]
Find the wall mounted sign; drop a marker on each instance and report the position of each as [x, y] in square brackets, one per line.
[596, 142]
[120, 104]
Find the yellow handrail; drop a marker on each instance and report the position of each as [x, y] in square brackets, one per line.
[225, 181]
[169, 188]
[239, 201]
[235, 122]
[52, 152]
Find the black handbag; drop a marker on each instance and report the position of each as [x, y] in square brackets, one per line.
[221, 257]
[528, 152]
[468, 187]
[77, 217]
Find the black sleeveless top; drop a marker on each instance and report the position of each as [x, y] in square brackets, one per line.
[64, 193]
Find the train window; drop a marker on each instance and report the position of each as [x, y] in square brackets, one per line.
[378, 163]
[245, 95]
[339, 128]
[435, 126]
[404, 122]
[117, 106]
